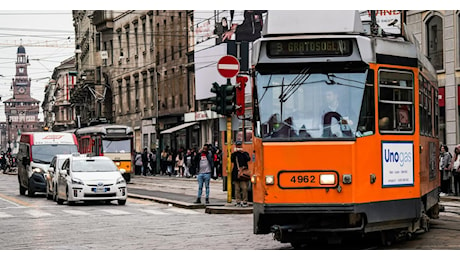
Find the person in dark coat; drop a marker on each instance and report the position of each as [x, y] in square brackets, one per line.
[240, 159]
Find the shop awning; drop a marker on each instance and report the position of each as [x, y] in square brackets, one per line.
[179, 127]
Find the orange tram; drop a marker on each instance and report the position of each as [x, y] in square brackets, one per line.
[345, 131]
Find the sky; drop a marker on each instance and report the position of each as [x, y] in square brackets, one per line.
[53, 30]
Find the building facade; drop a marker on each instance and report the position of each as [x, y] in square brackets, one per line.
[58, 112]
[134, 69]
[21, 110]
[438, 34]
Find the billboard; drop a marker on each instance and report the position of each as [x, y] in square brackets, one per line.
[212, 29]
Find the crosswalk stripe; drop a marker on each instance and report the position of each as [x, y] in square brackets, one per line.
[76, 212]
[154, 212]
[38, 213]
[182, 211]
[4, 215]
[116, 212]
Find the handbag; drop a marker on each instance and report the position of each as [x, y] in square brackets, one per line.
[243, 172]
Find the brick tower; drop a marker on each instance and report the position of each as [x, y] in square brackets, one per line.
[21, 110]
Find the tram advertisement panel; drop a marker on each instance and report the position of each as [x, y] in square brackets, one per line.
[397, 164]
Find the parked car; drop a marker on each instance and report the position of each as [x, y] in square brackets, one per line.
[51, 175]
[92, 178]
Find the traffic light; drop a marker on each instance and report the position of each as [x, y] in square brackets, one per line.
[240, 93]
[218, 100]
[229, 100]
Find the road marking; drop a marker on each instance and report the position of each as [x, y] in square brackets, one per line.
[154, 212]
[182, 211]
[4, 215]
[37, 213]
[14, 201]
[76, 212]
[116, 212]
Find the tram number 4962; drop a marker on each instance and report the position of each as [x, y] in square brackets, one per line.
[303, 179]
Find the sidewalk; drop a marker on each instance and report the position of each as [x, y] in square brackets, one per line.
[182, 192]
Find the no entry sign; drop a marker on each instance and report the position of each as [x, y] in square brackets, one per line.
[228, 66]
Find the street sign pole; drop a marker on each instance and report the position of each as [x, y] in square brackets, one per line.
[228, 67]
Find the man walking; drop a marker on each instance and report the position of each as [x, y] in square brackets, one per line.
[240, 159]
[145, 161]
[204, 162]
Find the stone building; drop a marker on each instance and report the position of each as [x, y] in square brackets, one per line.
[58, 113]
[438, 33]
[21, 110]
[133, 69]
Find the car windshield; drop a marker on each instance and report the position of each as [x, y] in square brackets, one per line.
[44, 153]
[116, 146]
[309, 104]
[93, 165]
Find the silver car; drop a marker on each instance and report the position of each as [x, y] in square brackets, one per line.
[52, 174]
[94, 178]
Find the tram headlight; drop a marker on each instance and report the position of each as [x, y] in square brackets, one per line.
[117, 164]
[327, 179]
[269, 180]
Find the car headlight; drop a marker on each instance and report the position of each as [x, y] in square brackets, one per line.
[77, 181]
[38, 170]
[121, 180]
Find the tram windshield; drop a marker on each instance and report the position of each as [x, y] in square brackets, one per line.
[116, 146]
[311, 104]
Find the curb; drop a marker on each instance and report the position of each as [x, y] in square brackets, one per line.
[209, 209]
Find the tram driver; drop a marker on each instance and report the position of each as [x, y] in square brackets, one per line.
[336, 115]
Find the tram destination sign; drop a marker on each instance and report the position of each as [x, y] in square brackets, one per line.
[309, 47]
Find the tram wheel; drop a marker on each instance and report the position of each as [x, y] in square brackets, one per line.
[298, 245]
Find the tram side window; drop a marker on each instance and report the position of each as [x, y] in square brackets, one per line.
[366, 124]
[426, 106]
[396, 105]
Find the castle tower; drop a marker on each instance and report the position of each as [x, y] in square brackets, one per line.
[21, 110]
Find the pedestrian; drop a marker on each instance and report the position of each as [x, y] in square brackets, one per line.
[204, 162]
[445, 167]
[240, 159]
[188, 158]
[153, 162]
[169, 164]
[180, 164]
[138, 164]
[163, 161]
[145, 161]
[456, 170]
[193, 166]
[217, 165]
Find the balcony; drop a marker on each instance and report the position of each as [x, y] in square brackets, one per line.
[103, 20]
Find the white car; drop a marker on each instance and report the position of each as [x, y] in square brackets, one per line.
[52, 175]
[94, 178]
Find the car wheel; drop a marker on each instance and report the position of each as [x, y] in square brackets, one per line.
[54, 193]
[121, 202]
[22, 190]
[49, 195]
[70, 203]
[30, 191]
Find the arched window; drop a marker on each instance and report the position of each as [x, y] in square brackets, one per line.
[434, 37]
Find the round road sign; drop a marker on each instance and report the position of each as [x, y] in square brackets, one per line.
[228, 66]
